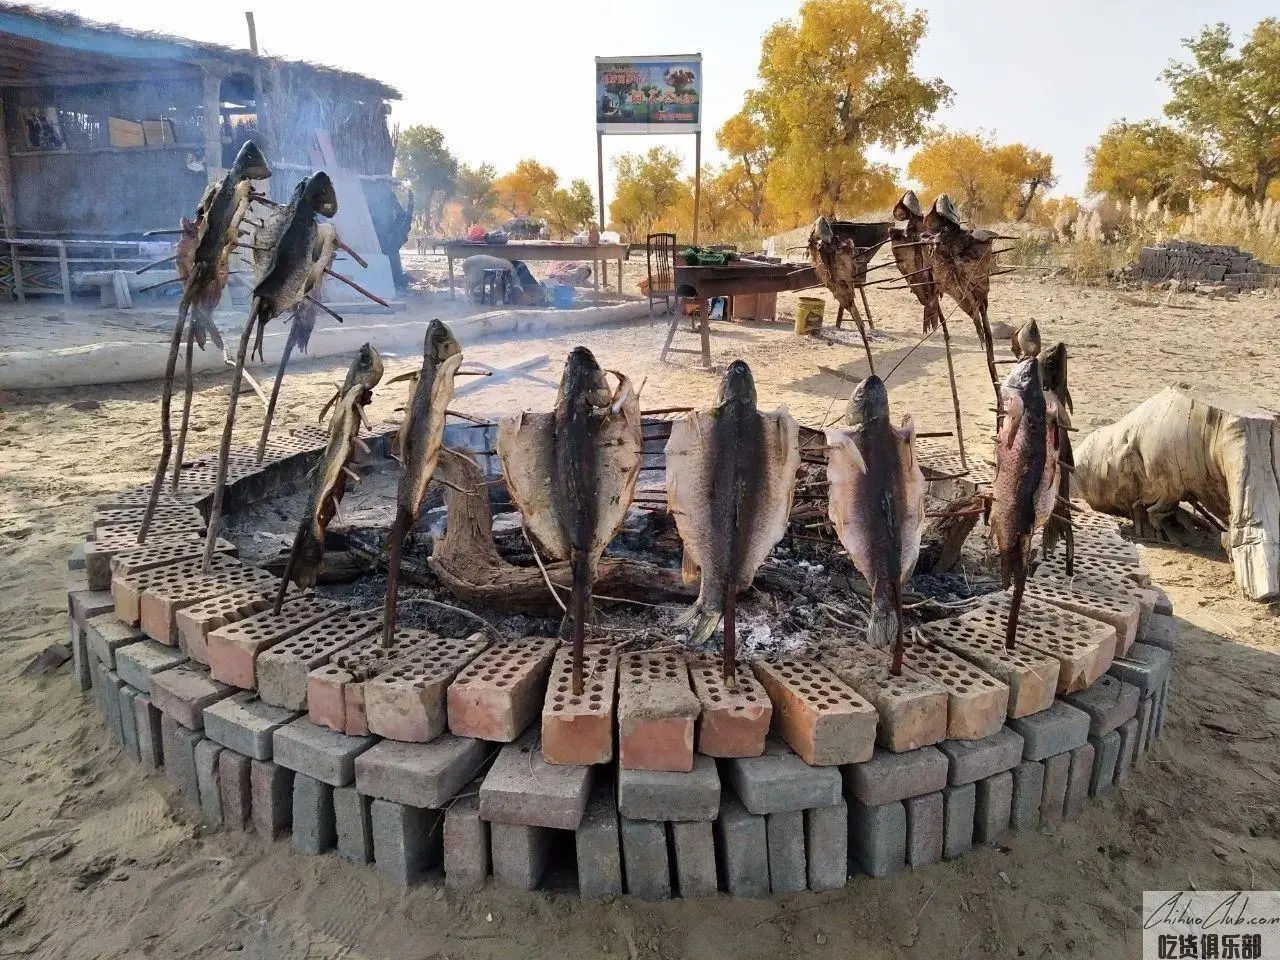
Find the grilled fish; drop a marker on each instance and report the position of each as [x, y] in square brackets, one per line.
[1026, 482]
[1058, 528]
[417, 445]
[1026, 340]
[912, 256]
[573, 472]
[877, 504]
[731, 474]
[329, 481]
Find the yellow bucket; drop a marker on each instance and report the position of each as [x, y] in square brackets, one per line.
[809, 315]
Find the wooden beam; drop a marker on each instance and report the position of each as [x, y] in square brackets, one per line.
[6, 181]
[212, 121]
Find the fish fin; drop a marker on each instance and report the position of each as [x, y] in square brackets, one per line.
[854, 453]
[689, 616]
[705, 628]
[329, 403]
[411, 375]
[689, 569]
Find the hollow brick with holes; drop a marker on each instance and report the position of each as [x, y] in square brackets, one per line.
[733, 723]
[164, 596]
[496, 697]
[1120, 611]
[101, 557]
[578, 730]
[281, 670]
[407, 700]
[1083, 648]
[977, 703]
[1031, 676]
[657, 712]
[196, 621]
[912, 709]
[234, 648]
[821, 717]
[127, 584]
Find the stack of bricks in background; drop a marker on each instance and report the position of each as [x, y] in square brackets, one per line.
[1205, 263]
[800, 774]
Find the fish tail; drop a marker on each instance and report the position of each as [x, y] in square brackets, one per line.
[578, 615]
[399, 530]
[899, 642]
[707, 621]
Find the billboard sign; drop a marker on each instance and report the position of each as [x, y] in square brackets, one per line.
[649, 94]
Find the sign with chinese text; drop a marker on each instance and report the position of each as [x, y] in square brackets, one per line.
[649, 94]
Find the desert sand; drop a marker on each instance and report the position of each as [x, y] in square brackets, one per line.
[101, 864]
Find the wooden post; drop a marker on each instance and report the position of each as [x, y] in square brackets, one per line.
[212, 122]
[6, 182]
[697, 182]
[253, 31]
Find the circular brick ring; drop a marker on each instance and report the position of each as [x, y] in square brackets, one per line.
[469, 756]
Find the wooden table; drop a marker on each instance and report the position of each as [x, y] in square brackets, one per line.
[742, 276]
[538, 250]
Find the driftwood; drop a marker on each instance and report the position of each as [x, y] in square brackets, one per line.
[1217, 453]
[466, 561]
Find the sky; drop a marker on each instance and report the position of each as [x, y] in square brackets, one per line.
[506, 79]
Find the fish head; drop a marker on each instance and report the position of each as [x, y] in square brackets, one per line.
[439, 344]
[583, 379]
[1026, 342]
[822, 232]
[366, 368]
[738, 384]
[319, 193]
[908, 208]
[250, 164]
[869, 401]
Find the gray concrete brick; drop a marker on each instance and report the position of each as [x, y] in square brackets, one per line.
[138, 662]
[128, 721]
[1109, 703]
[104, 635]
[207, 783]
[1145, 666]
[272, 805]
[974, 759]
[895, 776]
[314, 829]
[352, 825]
[1057, 729]
[522, 788]
[644, 859]
[246, 724]
[926, 826]
[1128, 750]
[1162, 631]
[1078, 777]
[407, 841]
[109, 684]
[742, 849]
[180, 759]
[1146, 709]
[693, 844]
[420, 774]
[81, 666]
[318, 752]
[1162, 707]
[86, 604]
[235, 786]
[993, 807]
[520, 854]
[147, 726]
[599, 847]
[878, 837]
[1028, 793]
[1054, 799]
[76, 560]
[779, 781]
[826, 844]
[671, 796]
[1106, 757]
[784, 832]
[466, 842]
[958, 810]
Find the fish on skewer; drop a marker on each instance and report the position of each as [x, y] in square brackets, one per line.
[837, 261]
[305, 248]
[877, 504]
[417, 446]
[1026, 481]
[302, 323]
[731, 476]
[572, 473]
[1059, 528]
[202, 258]
[1026, 340]
[912, 255]
[329, 481]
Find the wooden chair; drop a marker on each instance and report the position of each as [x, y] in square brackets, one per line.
[660, 253]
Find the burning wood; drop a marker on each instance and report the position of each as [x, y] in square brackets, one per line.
[877, 504]
[202, 258]
[573, 472]
[731, 474]
[417, 445]
[1026, 482]
[332, 473]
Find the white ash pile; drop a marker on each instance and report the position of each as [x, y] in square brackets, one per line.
[1235, 269]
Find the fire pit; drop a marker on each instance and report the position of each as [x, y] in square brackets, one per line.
[463, 746]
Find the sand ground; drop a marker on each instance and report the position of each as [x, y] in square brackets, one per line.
[91, 851]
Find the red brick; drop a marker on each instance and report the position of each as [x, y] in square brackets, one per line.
[128, 583]
[165, 596]
[183, 692]
[656, 712]
[1119, 609]
[326, 697]
[733, 723]
[357, 720]
[578, 731]
[407, 700]
[498, 695]
[1031, 676]
[282, 670]
[331, 685]
[824, 720]
[912, 710]
[234, 648]
[196, 621]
